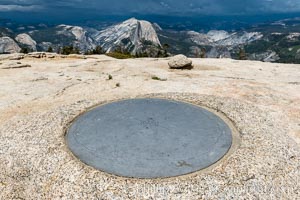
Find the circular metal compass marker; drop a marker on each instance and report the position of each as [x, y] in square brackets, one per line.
[149, 138]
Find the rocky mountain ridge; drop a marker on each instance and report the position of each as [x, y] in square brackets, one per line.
[133, 36]
[223, 38]
[275, 42]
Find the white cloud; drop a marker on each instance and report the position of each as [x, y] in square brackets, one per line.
[23, 8]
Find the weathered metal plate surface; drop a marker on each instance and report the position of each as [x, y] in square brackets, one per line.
[149, 138]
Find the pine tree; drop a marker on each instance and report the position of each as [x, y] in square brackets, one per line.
[50, 49]
[203, 53]
[24, 50]
[66, 50]
[165, 48]
[98, 50]
[242, 54]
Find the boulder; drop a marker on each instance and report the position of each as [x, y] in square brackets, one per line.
[179, 62]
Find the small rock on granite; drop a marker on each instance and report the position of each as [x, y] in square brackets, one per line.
[179, 62]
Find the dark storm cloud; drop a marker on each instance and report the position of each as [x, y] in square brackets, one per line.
[157, 6]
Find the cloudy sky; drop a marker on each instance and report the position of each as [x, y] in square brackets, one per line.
[165, 7]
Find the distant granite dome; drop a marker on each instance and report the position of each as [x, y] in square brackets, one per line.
[81, 38]
[131, 34]
[26, 40]
[8, 45]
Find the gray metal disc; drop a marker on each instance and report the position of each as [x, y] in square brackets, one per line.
[149, 138]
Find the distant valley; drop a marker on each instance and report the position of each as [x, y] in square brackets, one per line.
[278, 41]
